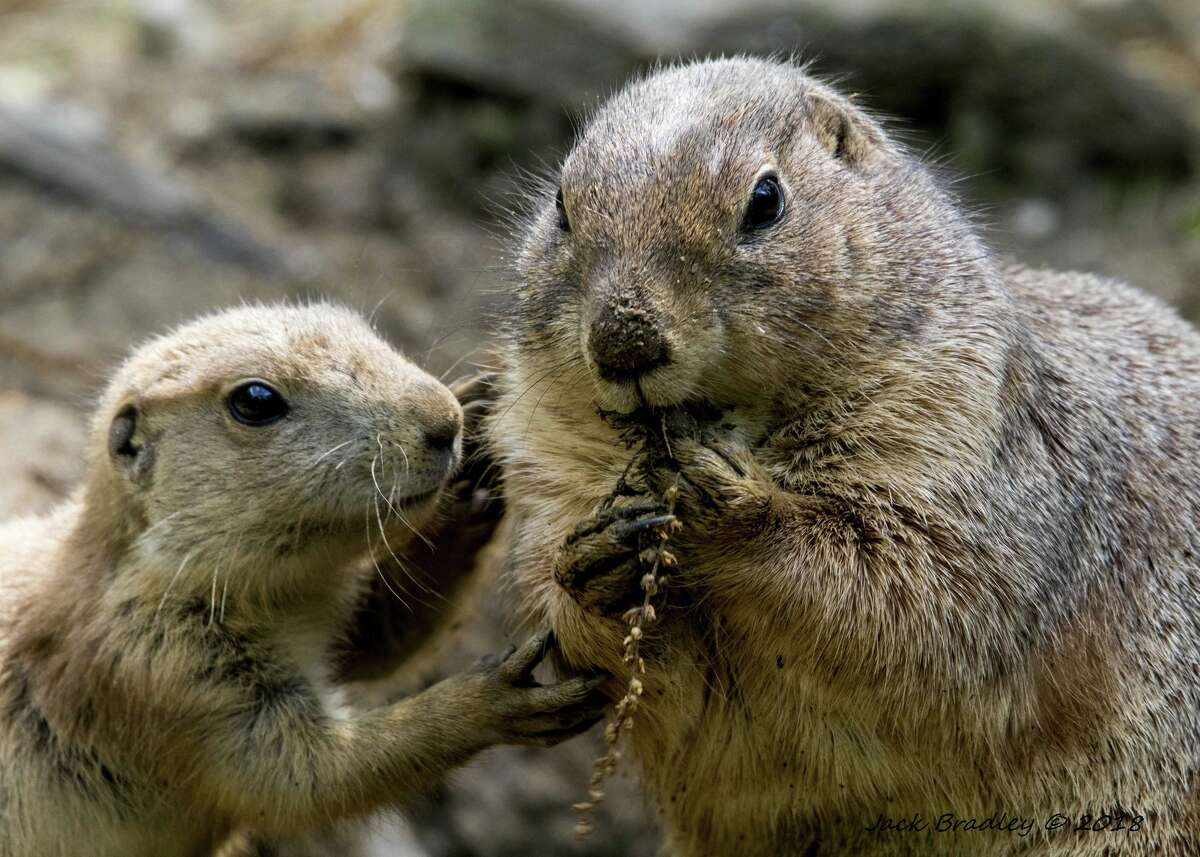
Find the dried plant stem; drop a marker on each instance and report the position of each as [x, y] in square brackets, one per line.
[654, 559]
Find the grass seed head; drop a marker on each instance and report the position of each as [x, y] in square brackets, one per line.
[654, 454]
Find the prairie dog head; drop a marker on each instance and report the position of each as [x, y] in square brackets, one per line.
[272, 437]
[733, 232]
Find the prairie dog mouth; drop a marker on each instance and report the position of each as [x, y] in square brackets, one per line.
[684, 417]
[411, 479]
[646, 391]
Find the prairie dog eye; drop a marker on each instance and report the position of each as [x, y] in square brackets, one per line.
[563, 222]
[766, 204]
[257, 403]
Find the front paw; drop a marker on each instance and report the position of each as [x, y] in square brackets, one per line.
[717, 482]
[525, 712]
[599, 563]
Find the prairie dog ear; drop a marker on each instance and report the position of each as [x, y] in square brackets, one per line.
[128, 446]
[846, 135]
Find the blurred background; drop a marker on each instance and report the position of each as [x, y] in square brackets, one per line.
[159, 158]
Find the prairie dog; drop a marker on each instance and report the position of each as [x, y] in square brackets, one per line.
[939, 559]
[167, 635]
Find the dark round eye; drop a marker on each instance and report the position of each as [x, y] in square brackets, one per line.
[257, 404]
[563, 223]
[766, 204]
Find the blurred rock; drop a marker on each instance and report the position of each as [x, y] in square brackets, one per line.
[538, 50]
[1043, 108]
[22, 86]
[170, 27]
[495, 86]
[392, 838]
[66, 150]
[289, 113]
[489, 84]
[79, 287]
[516, 801]
[1035, 219]
[44, 443]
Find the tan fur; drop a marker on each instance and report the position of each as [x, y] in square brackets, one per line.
[941, 551]
[167, 636]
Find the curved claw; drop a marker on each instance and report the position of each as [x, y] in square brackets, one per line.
[612, 515]
[633, 528]
[520, 663]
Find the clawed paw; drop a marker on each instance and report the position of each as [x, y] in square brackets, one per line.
[599, 562]
[534, 714]
[715, 478]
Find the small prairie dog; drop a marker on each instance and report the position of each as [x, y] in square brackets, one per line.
[166, 635]
[938, 581]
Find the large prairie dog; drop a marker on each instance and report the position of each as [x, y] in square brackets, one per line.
[941, 548]
[167, 635]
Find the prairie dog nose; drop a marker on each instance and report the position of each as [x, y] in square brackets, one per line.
[441, 433]
[625, 342]
[441, 418]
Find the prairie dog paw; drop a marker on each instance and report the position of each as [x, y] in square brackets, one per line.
[717, 479]
[598, 563]
[525, 712]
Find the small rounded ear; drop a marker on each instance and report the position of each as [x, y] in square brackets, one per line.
[127, 443]
[120, 433]
[845, 135]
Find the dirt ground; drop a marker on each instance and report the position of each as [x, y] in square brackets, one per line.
[161, 158]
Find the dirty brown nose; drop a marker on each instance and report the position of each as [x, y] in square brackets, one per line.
[625, 342]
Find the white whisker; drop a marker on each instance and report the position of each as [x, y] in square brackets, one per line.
[330, 451]
[154, 527]
[392, 509]
[212, 609]
[186, 559]
[371, 552]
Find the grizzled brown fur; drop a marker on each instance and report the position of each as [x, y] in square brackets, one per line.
[940, 548]
[168, 636]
